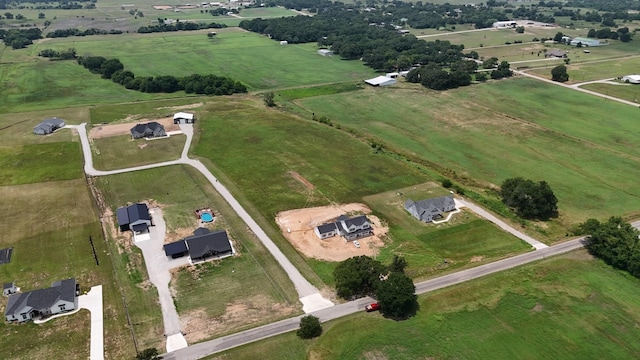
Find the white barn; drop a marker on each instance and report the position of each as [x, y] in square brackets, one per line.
[381, 81]
[325, 52]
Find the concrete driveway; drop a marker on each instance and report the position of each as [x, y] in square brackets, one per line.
[158, 266]
[92, 301]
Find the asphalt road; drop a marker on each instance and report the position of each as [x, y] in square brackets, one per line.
[206, 348]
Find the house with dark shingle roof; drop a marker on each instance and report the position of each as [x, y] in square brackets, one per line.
[134, 217]
[148, 130]
[430, 209]
[349, 228]
[48, 126]
[60, 297]
[205, 244]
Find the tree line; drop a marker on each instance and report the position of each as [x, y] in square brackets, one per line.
[77, 32]
[178, 26]
[20, 38]
[68, 54]
[197, 84]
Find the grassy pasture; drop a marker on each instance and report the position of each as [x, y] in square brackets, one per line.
[468, 129]
[491, 37]
[544, 310]
[596, 70]
[143, 110]
[40, 163]
[48, 225]
[626, 92]
[118, 152]
[232, 53]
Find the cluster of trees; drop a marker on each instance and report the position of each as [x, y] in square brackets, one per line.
[178, 26]
[436, 78]
[529, 199]
[605, 5]
[559, 74]
[363, 276]
[45, 4]
[605, 33]
[68, 54]
[10, 16]
[77, 32]
[198, 84]
[20, 38]
[615, 241]
[502, 70]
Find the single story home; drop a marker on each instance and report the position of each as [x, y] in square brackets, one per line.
[134, 217]
[349, 228]
[325, 52]
[60, 297]
[381, 81]
[183, 118]
[205, 244]
[148, 130]
[586, 42]
[555, 53]
[631, 79]
[48, 126]
[430, 209]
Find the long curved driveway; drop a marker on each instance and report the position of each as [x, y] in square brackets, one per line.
[310, 297]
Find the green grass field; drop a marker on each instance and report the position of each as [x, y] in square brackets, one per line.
[492, 37]
[232, 53]
[567, 307]
[629, 92]
[596, 70]
[40, 163]
[119, 152]
[480, 136]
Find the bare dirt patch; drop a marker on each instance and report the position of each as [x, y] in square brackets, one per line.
[538, 308]
[298, 225]
[198, 325]
[476, 259]
[103, 131]
[302, 180]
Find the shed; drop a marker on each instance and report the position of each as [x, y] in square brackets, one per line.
[134, 217]
[183, 118]
[48, 126]
[381, 81]
[284, 42]
[9, 288]
[325, 52]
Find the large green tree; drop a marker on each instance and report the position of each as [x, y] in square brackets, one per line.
[529, 199]
[396, 296]
[616, 242]
[357, 276]
[559, 73]
[310, 327]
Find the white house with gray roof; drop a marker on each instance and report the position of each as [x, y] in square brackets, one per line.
[60, 297]
[349, 228]
[430, 209]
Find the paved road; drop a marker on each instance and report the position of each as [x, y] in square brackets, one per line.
[308, 294]
[206, 348]
[501, 224]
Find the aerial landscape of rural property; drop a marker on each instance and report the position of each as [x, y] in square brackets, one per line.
[314, 179]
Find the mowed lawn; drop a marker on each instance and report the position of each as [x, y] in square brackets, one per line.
[40, 163]
[253, 59]
[119, 152]
[567, 307]
[580, 145]
[629, 92]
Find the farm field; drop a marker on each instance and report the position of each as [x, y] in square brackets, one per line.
[245, 281]
[491, 37]
[597, 70]
[586, 170]
[119, 152]
[558, 303]
[627, 92]
[36, 163]
[231, 53]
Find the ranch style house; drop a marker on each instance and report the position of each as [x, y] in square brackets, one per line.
[430, 209]
[60, 297]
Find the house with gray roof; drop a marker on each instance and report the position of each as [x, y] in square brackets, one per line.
[60, 297]
[430, 209]
[134, 217]
[349, 228]
[48, 126]
[148, 130]
[205, 244]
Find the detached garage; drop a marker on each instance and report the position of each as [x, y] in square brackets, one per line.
[381, 81]
[183, 118]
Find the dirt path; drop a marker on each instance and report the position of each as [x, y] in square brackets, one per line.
[298, 225]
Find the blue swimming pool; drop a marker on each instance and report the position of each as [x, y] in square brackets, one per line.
[206, 217]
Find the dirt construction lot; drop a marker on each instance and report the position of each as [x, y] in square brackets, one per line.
[297, 226]
[103, 131]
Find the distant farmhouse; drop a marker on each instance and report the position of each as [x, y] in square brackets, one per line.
[587, 42]
[134, 217]
[349, 228]
[381, 81]
[631, 79]
[555, 53]
[60, 297]
[148, 130]
[183, 118]
[430, 209]
[203, 245]
[48, 126]
[504, 24]
[325, 52]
